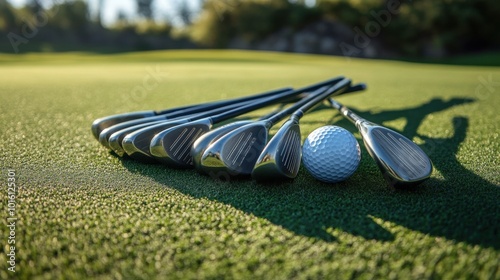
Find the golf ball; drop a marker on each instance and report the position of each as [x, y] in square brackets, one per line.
[331, 154]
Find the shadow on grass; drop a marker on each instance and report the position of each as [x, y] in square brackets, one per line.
[463, 207]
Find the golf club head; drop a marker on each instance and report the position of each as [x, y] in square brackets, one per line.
[173, 145]
[401, 161]
[106, 133]
[202, 143]
[280, 159]
[136, 144]
[236, 152]
[116, 139]
[102, 123]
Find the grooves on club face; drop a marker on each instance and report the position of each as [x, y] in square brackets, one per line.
[401, 161]
[280, 159]
[172, 146]
[236, 152]
[137, 143]
[200, 145]
[102, 123]
[115, 141]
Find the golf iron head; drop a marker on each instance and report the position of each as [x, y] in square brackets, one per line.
[401, 161]
[280, 159]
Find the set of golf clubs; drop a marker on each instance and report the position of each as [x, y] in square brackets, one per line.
[181, 137]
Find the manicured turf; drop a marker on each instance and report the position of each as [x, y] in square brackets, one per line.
[83, 212]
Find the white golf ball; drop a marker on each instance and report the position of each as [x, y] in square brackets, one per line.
[331, 154]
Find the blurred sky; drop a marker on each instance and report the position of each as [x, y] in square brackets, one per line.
[162, 9]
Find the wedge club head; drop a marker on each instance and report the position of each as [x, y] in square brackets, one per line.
[173, 145]
[102, 123]
[401, 161]
[237, 151]
[137, 143]
[201, 144]
[106, 133]
[280, 159]
[116, 139]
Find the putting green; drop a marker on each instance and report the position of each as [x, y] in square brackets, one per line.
[83, 212]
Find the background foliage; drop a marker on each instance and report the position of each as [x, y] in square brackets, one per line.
[451, 27]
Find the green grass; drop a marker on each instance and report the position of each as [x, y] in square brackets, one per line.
[86, 213]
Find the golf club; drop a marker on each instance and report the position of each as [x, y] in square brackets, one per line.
[102, 123]
[136, 144]
[172, 146]
[112, 136]
[106, 133]
[203, 142]
[115, 141]
[281, 157]
[123, 128]
[147, 134]
[236, 152]
[401, 161]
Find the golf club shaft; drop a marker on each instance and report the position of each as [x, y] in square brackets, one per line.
[218, 104]
[401, 161]
[351, 89]
[101, 124]
[346, 112]
[268, 101]
[185, 110]
[299, 108]
[106, 133]
[218, 110]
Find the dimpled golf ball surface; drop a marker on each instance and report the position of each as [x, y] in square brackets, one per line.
[331, 154]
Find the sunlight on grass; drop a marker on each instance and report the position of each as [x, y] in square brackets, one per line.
[86, 213]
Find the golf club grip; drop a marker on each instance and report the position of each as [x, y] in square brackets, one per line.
[299, 108]
[350, 115]
[269, 101]
[216, 104]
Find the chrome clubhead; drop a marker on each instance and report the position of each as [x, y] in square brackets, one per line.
[102, 123]
[173, 145]
[106, 133]
[136, 144]
[203, 142]
[116, 139]
[401, 161]
[280, 159]
[236, 152]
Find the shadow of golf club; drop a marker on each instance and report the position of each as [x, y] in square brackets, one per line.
[463, 207]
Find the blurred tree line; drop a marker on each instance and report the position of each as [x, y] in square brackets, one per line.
[67, 25]
[409, 27]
